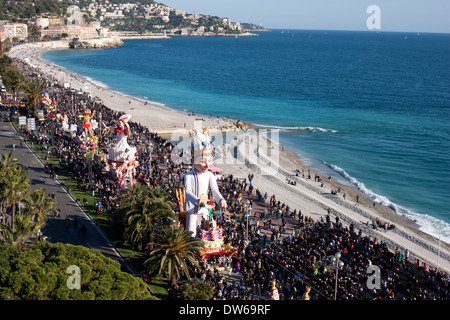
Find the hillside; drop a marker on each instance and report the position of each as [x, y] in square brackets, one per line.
[137, 16]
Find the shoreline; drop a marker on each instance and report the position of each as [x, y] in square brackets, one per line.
[163, 120]
[307, 195]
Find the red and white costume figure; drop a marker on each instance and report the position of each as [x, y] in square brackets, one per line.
[123, 132]
[122, 156]
[273, 292]
[87, 115]
[199, 181]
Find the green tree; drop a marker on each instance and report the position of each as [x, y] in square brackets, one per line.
[34, 33]
[24, 228]
[12, 188]
[175, 248]
[87, 18]
[196, 289]
[36, 205]
[7, 161]
[33, 89]
[40, 273]
[5, 61]
[146, 207]
[12, 79]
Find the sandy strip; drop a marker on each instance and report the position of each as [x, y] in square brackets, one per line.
[160, 119]
[308, 195]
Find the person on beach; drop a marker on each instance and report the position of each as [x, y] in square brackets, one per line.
[199, 181]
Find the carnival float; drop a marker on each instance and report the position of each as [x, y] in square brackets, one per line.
[196, 209]
[121, 157]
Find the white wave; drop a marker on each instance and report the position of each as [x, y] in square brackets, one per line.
[307, 129]
[428, 224]
[97, 83]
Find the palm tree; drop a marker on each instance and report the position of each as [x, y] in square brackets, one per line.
[12, 188]
[145, 208]
[133, 195]
[24, 229]
[33, 89]
[38, 206]
[7, 161]
[175, 249]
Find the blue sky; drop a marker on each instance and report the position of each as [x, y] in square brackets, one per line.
[396, 15]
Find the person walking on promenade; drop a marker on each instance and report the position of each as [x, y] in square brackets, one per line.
[67, 223]
[83, 231]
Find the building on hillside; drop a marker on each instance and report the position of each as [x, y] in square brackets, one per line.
[103, 32]
[88, 32]
[72, 31]
[116, 14]
[51, 30]
[18, 30]
[42, 22]
[54, 21]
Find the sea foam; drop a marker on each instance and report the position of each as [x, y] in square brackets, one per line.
[302, 129]
[428, 224]
[97, 83]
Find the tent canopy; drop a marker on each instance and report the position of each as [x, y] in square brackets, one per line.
[213, 168]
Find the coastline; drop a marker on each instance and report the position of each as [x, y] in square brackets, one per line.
[307, 195]
[160, 119]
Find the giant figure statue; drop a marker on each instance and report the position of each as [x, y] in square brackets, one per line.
[199, 181]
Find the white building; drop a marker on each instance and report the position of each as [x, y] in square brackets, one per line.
[41, 22]
[19, 30]
[88, 32]
[116, 14]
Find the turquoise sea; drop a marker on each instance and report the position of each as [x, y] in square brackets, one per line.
[370, 107]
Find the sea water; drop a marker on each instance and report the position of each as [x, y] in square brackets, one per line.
[371, 108]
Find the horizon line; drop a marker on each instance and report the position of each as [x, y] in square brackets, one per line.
[351, 30]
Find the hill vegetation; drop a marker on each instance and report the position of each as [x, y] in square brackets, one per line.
[20, 10]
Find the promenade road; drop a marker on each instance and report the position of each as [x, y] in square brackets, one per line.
[55, 229]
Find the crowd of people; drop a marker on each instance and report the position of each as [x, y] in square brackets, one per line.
[305, 261]
[264, 250]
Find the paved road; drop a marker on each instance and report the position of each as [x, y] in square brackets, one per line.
[55, 229]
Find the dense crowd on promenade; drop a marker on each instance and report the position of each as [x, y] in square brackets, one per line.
[267, 252]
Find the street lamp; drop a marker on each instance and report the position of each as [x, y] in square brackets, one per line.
[336, 260]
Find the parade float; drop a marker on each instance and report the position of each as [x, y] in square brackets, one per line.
[48, 104]
[196, 208]
[121, 157]
[87, 140]
[209, 232]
